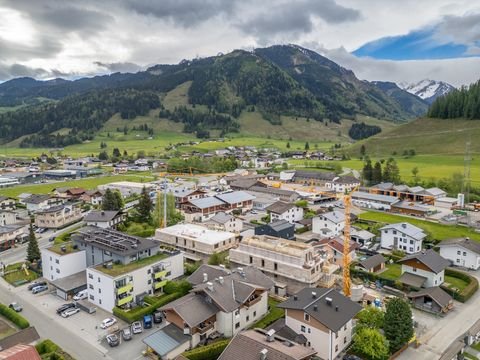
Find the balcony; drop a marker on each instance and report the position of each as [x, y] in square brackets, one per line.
[160, 284]
[125, 300]
[253, 300]
[204, 327]
[125, 289]
[160, 274]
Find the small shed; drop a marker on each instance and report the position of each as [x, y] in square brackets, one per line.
[68, 286]
[168, 342]
[373, 264]
[433, 300]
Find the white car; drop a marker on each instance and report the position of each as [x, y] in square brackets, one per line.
[82, 295]
[108, 322]
[70, 312]
[137, 327]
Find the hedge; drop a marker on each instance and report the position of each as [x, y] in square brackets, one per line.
[469, 290]
[139, 312]
[207, 352]
[46, 346]
[14, 317]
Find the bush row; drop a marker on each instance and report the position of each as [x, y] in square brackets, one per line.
[48, 350]
[468, 291]
[14, 317]
[208, 352]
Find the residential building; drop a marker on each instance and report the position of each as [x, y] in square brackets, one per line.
[198, 242]
[38, 202]
[342, 184]
[329, 224]
[292, 265]
[402, 236]
[69, 193]
[7, 203]
[285, 211]
[59, 216]
[324, 317]
[373, 263]
[202, 209]
[93, 197]
[11, 234]
[183, 196]
[62, 260]
[7, 217]
[313, 178]
[239, 200]
[104, 219]
[275, 193]
[258, 344]
[362, 237]
[225, 222]
[334, 247]
[433, 300]
[423, 269]
[280, 228]
[127, 188]
[373, 201]
[461, 252]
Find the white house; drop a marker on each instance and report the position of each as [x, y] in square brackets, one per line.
[329, 224]
[104, 219]
[342, 183]
[285, 211]
[423, 269]
[225, 222]
[62, 260]
[38, 202]
[461, 252]
[7, 217]
[402, 236]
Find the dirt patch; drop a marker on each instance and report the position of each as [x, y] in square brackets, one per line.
[6, 329]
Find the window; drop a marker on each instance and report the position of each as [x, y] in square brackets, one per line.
[275, 266]
[90, 286]
[345, 327]
[57, 261]
[411, 242]
[309, 330]
[336, 348]
[251, 260]
[149, 281]
[345, 340]
[90, 276]
[98, 279]
[100, 301]
[58, 271]
[459, 252]
[458, 260]
[248, 318]
[99, 290]
[464, 253]
[306, 317]
[92, 297]
[237, 312]
[237, 325]
[410, 249]
[254, 314]
[336, 335]
[216, 246]
[302, 328]
[394, 232]
[149, 271]
[263, 263]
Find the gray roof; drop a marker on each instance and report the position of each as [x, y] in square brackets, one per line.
[333, 316]
[435, 191]
[243, 183]
[463, 242]
[334, 216]
[183, 192]
[212, 272]
[248, 345]
[416, 189]
[281, 329]
[384, 186]
[192, 308]
[374, 197]
[408, 205]
[71, 282]
[280, 207]
[280, 225]
[206, 202]
[5, 229]
[36, 198]
[101, 215]
[3, 198]
[319, 175]
[429, 258]
[407, 229]
[251, 275]
[165, 340]
[273, 191]
[453, 350]
[372, 261]
[235, 197]
[435, 293]
[413, 280]
[361, 233]
[222, 217]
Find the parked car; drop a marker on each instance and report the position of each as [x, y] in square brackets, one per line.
[70, 312]
[15, 306]
[52, 238]
[147, 321]
[137, 327]
[351, 357]
[39, 289]
[35, 284]
[41, 230]
[157, 317]
[113, 340]
[127, 334]
[81, 295]
[107, 323]
[64, 307]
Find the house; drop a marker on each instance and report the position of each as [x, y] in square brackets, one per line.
[342, 184]
[362, 237]
[373, 263]
[280, 228]
[20, 352]
[7, 217]
[290, 264]
[93, 197]
[227, 305]
[329, 224]
[324, 317]
[7, 203]
[183, 196]
[225, 222]
[461, 252]
[258, 344]
[285, 211]
[207, 273]
[69, 193]
[37, 202]
[334, 246]
[373, 201]
[240, 200]
[11, 234]
[104, 219]
[202, 209]
[410, 208]
[197, 241]
[423, 269]
[62, 260]
[402, 236]
[57, 217]
[275, 193]
[432, 299]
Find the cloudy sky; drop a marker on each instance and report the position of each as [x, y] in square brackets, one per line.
[397, 40]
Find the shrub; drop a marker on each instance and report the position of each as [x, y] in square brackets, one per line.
[14, 317]
[468, 291]
[208, 352]
[46, 346]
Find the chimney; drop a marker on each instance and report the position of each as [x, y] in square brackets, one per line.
[314, 294]
[220, 280]
[404, 225]
[315, 307]
[270, 335]
[205, 277]
[263, 354]
[295, 297]
[328, 300]
[210, 286]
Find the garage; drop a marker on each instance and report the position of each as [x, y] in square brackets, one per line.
[70, 285]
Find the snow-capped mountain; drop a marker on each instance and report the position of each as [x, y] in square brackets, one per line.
[427, 89]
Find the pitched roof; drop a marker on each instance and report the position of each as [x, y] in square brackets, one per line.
[429, 258]
[20, 352]
[281, 329]
[212, 272]
[235, 197]
[334, 216]
[436, 293]
[361, 233]
[329, 307]
[407, 229]
[280, 207]
[374, 197]
[222, 217]
[280, 225]
[167, 339]
[412, 279]
[463, 242]
[36, 198]
[372, 261]
[319, 175]
[101, 215]
[206, 202]
[192, 308]
[249, 344]
[337, 244]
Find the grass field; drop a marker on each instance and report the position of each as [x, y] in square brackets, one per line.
[392, 272]
[455, 283]
[437, 231]
[17, 274]
[87, 183]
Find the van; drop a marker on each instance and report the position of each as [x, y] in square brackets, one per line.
[39, 289]
[81, 295]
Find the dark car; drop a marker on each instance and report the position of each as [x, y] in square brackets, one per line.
[35, 284]
[157, 317]
[113, 340]
[351, 357]
[127, 334]
[64, 307]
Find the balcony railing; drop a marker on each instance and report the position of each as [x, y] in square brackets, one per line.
[124, 289]
[253, 300]
[160, 274]
[204, 327]
[160, 284]
[125, 300]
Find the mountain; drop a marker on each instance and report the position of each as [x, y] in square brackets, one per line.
[409, 102]
[462, 103]
[428, 90]
[275, 81]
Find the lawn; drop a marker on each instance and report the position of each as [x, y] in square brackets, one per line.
[119, 269]
[476, 346]
[15, 274]
[392, 272]
[6, 329]
[435, 230]
[87, 183]
[455, 283]
[273, 315]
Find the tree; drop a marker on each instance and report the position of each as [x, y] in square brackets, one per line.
[112, 200]
[307, 146]
[285, 166]
[370, 344]
[288, 145]
[117, 200]
[391, 172]
[33, 251]
[116, 153]
[415, 175]
[377, 173]
[371, 317]
[368, 171]
[145, 206]
[103, 155]
[363, 150]
[398, 325]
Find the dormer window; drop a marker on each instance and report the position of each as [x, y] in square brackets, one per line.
[306, 317]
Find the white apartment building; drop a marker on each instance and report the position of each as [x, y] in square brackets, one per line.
[285, 211]
[329, 224]
[7, 217]
[62, 260]
[402, 236]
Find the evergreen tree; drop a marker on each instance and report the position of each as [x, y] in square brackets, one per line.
[377, 173]
[33, 251]
[117, 200]
[103, 155]
[145, 206]
[307, 146]
[398, 326]
[391, 172]
[363, 150]
[368, 171]
[108, 200]
[288, 145]
[415, 175]
[116, 153]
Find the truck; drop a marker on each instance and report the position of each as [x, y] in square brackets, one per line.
[147, 321]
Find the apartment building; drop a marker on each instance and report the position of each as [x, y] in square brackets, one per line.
[461, 252]
[38, 202]
[342, 183]
[198, 242]
[402, 236]
[291, 265]
[7, 217]
[225, 222]
[329, 224]
[7, 203]
[324, 317]
[62, 260]
[11, 234]
[59, 216]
